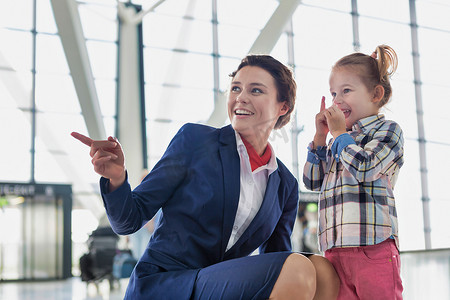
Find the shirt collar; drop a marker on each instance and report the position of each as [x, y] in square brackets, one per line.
[366, 124]
[271, 166]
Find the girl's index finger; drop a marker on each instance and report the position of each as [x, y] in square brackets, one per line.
[82, 138]
[322, 104]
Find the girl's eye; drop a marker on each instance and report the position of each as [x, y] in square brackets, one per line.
[333, 94]
[346, 91]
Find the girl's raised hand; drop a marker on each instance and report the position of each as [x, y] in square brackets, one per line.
[335, 120]
[321, 125]
[107, 157]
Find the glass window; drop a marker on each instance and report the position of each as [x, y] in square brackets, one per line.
[433, 14]
[49, 166]
[56, 93]
[16, 49]
[17, 14]
[408, 195]
[50, 56]
[180, 8]
[179, 77]
[374, 32]
[16, 87]
[179, 104]
[343, 6]
[15, 159]
[106, 92]
[434, 59]
[435, 109]
[245, 14]
[103, 59]
[179, 33]
[402, 107]
[226, 67]
[397, 11]
[236, 41]
[320, 48]
[178, 68]
[99, 21]
[439, 200]
[45, 21]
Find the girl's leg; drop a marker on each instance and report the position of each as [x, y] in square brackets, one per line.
[327, 280]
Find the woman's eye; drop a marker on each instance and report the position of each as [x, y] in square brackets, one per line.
[235, 89]
[257, 91]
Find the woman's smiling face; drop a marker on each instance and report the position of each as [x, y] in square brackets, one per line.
[253, 108]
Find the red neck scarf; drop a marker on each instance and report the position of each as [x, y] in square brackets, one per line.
[257, 161]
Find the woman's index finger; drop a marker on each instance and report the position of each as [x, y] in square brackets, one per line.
[82, 138]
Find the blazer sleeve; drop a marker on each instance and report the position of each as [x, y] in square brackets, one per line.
[280, 240]
[129, 210]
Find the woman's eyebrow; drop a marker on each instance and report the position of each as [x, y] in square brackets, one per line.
[251, 84]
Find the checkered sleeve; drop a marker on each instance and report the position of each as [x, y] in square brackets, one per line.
[381, 155]
[314, 169]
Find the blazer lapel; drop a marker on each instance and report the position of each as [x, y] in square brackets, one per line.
[231, 181]
[268, 212]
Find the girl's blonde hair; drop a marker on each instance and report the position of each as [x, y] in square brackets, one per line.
[375, 69]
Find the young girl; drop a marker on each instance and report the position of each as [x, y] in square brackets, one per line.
[356, 174]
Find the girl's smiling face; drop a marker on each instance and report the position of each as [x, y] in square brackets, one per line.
[253, 108]
[351, 95]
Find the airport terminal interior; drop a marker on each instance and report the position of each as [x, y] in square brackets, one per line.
[139, 70]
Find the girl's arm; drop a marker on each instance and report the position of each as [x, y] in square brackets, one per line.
[313, 171]
[381, 156]
[314, 168]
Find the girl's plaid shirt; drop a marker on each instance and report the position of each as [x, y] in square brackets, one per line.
[356, 175]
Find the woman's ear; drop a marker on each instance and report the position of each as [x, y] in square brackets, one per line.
[284, 109]
[378, 93]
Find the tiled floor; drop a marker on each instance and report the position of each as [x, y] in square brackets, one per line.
[425, 275]
[70, 289]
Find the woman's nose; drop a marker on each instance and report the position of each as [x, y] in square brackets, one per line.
[241, 98]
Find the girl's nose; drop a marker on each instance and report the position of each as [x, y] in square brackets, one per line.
[337, 100]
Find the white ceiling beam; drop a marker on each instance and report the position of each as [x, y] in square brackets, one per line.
[68, 22]
[275, 27]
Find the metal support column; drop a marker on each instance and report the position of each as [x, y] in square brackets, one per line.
[420, 125]
[355, 26]
[130, 92]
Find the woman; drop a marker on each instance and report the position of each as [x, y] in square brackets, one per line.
[223, 194]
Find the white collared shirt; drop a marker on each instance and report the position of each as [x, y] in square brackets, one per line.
[253, 187]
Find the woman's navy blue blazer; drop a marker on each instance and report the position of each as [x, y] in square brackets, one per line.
[197, 185]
